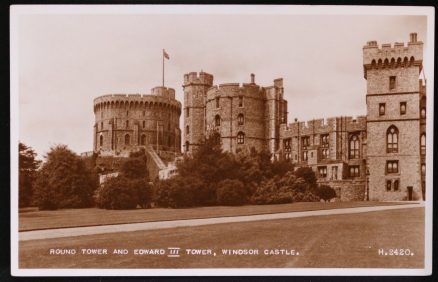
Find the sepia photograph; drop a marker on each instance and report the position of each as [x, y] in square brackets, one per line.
[221, 140]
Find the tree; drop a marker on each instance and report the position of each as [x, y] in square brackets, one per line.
[307, 174]
[27, 167]
[64, 181]
[231, 192]
[326, 192]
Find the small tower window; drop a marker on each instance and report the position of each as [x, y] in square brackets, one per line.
[240, 138]
[101, 140]
[217, 102]
[240, 119]
[402, 108]
[127, 139]
[391, 166]
[187, 129]
[217, 120]
[187, 146]
[391, 82]
[143, 140]
[240, 101]
[392, 140]
[127, 123]
[423, 112]
[187, 112]
[382, 107]
[354, 146]
[396, 184]
[423, 144]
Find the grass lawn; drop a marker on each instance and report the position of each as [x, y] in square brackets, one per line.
[348, 240]
[32, 219]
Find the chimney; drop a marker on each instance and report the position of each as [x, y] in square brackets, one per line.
[413, 37]
[252, 78]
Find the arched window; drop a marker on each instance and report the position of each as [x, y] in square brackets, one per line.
[240, 138]
[127, 123]
[127, 139]
[143, 140]
[392, 139]
[423, 144]
[240, 119]
[423, 112]
[217, 120]
[354, 146]
[101, 140]
[187, 129]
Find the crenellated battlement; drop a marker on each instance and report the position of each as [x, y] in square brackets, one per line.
[388, 56]
[324, 125]
[195, 78]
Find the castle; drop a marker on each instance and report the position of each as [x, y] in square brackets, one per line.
[380, 156]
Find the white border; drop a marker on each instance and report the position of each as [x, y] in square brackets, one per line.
[17, 10]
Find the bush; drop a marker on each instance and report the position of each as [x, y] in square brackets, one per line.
[122, 193]
[326, 192]
[64, 181]
[231, 192]
[307, 174]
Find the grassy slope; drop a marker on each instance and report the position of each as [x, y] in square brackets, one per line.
[31, 220]
[350, 240]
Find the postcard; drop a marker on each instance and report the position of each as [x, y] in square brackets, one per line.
[221, 140]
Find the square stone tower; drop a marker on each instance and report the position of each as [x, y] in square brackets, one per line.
[394, 113]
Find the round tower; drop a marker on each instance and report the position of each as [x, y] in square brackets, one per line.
[195, 95]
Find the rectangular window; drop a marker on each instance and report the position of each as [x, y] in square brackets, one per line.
[240, 101]
[286, 145]
[388, 185]
[391, 82]
[305, 141]
[396, 184]
[354, 171]
[382, 107]
[391, 166]
[334, 172]
[402, 108]
[304, 155]
[322, 170]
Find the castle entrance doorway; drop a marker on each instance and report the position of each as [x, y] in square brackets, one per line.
[410, 193]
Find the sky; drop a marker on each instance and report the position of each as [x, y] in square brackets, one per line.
[67, 60]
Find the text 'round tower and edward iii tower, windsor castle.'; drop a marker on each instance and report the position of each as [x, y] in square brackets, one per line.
[380, 156]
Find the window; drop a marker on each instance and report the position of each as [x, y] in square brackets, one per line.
[423, 113]
[354, 146]
[392, 139]
[391, 166]
[101, 140]
[381, 109]
[127, 113]
[101, 126]
[240, 119]
[144, 124]
[324, 145]
[127, 123]
[287, 145]
[396, 184]
[334, 172]
[187, 146]
[322, 170]
[127, 139]
[240, 101]
[402, 108]
[324, 154]
[305, 157]
[217, 120]
[391, 82]
[354, 171]
[187, 129]
[240, 138]
[423, 169]
[187, 112]
[423, 144]
[388, 185]
[143, 140]
[305, 140]
[217, 102]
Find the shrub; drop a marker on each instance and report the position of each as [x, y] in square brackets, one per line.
[326, 192]
[123, 193]
[307, 174]
[231, 192]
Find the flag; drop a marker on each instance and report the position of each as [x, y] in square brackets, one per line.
[165, 54]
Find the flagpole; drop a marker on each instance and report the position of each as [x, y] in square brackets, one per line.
[163, 67]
